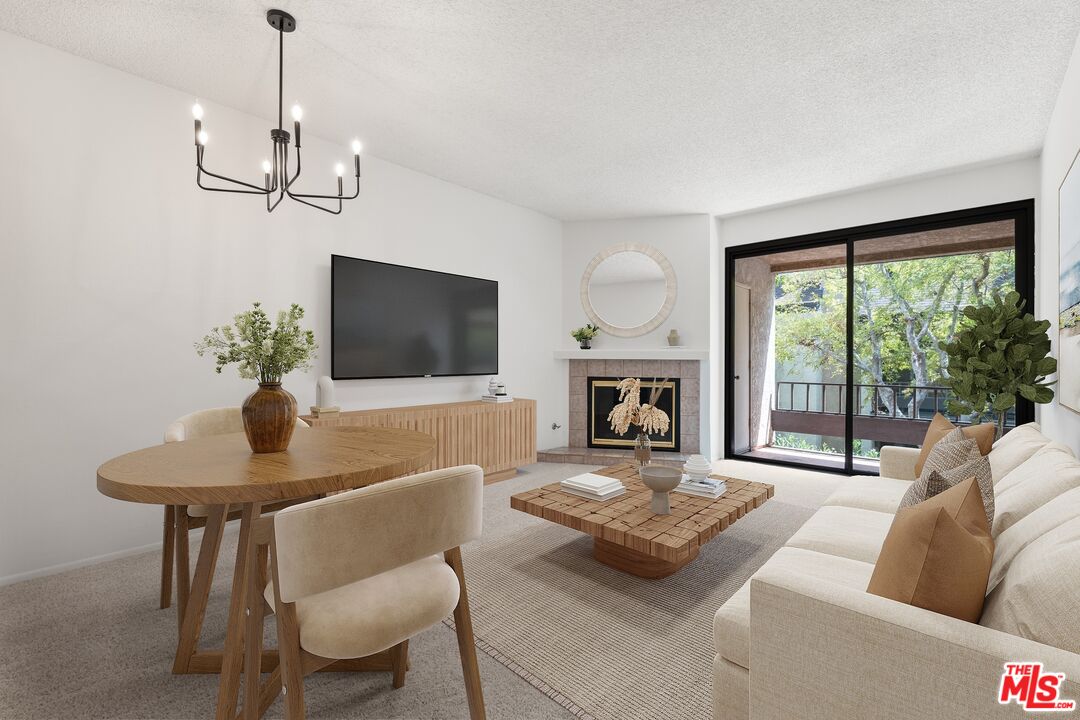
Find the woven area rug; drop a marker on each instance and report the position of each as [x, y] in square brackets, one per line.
[602, 643]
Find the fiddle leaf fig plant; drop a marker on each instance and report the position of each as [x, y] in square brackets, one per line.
[1001, 354]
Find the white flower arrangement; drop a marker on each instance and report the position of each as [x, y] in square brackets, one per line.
[263, 353]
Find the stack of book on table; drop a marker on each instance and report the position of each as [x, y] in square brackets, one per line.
[487, 397]
[594, 487]
[702, 487]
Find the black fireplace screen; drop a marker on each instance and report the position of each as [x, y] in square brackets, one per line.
[603, 395]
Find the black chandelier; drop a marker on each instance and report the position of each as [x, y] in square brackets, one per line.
[276, 174]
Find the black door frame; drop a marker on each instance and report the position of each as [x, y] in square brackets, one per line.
[1022, 212]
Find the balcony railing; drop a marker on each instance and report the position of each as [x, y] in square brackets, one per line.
[883, 413]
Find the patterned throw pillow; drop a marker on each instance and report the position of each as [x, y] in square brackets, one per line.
[953, 459]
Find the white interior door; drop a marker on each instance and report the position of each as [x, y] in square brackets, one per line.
[741, 431]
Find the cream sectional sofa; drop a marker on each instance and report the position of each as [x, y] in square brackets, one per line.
[803, 639]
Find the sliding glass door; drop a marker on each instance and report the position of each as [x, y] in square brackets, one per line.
[835, 341]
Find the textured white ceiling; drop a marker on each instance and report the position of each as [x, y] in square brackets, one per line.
[590, 109]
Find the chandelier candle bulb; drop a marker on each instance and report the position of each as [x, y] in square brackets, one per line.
[197, 111]
[202, 137]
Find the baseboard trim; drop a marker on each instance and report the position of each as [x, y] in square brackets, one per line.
[195, 535]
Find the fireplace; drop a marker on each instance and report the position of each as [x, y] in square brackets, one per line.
[603, 394]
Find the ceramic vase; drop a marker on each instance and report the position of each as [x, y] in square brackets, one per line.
[585, 344]
[269, 418]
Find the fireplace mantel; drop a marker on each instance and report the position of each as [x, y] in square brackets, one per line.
[661, 353]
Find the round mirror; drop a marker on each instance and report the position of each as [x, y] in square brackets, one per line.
[628, 290]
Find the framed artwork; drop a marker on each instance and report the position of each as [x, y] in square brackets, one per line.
[1068, 391]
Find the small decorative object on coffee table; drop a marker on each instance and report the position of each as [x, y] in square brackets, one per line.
[648, 418]
[629, 536]
[585, 335]
[661, 480]
[697, 467]
[265, 353]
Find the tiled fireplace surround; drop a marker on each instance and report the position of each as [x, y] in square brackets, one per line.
[688, 371]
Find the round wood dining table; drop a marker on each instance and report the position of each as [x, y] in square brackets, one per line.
[222, 472]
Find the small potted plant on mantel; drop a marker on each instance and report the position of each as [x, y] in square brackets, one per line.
[585, 335]
[266, 354]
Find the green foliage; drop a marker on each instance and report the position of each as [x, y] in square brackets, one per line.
[1000, 354]
[585, 333]
[798, 442]
[263, 352]
[905, 311]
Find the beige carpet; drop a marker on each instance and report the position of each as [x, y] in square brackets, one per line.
[602, 643]
[91, 643]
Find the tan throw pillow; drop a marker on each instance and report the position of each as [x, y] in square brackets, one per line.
[938, 554]
[952, 459]
[940, 427]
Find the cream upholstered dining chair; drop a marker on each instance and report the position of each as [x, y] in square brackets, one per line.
[358, 574]
[180, 520]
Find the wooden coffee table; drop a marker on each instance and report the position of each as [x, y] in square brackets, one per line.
[628, 536]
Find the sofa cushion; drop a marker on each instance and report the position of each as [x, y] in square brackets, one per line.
[731, 624]
[938, 553]
[845, 532]
[940, 428]
[1045, 475]
[953, 459]
[1031, 527]
[881, 494]
[1015, 447]
[1038, 595]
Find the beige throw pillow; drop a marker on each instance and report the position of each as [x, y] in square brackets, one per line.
[937, 554]
[940, 427]
[952, 459]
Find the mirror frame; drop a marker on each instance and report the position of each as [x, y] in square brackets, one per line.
[661, 315]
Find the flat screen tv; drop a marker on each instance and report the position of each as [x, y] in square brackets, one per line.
[392, 321]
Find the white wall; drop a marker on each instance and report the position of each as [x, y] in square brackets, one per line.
[114, 263]
[971, 187]
[684, 241]
[687, 242]
[1060, 147]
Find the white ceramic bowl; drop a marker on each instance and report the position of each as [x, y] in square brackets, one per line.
[660, 478]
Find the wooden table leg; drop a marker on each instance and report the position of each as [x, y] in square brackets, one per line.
[182, 541]
[251, 707]
[168, 538]
[233, 658]
[195, 605]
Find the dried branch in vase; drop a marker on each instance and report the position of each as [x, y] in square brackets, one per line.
[629, 411]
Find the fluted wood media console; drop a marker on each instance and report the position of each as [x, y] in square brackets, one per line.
[499, 437]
